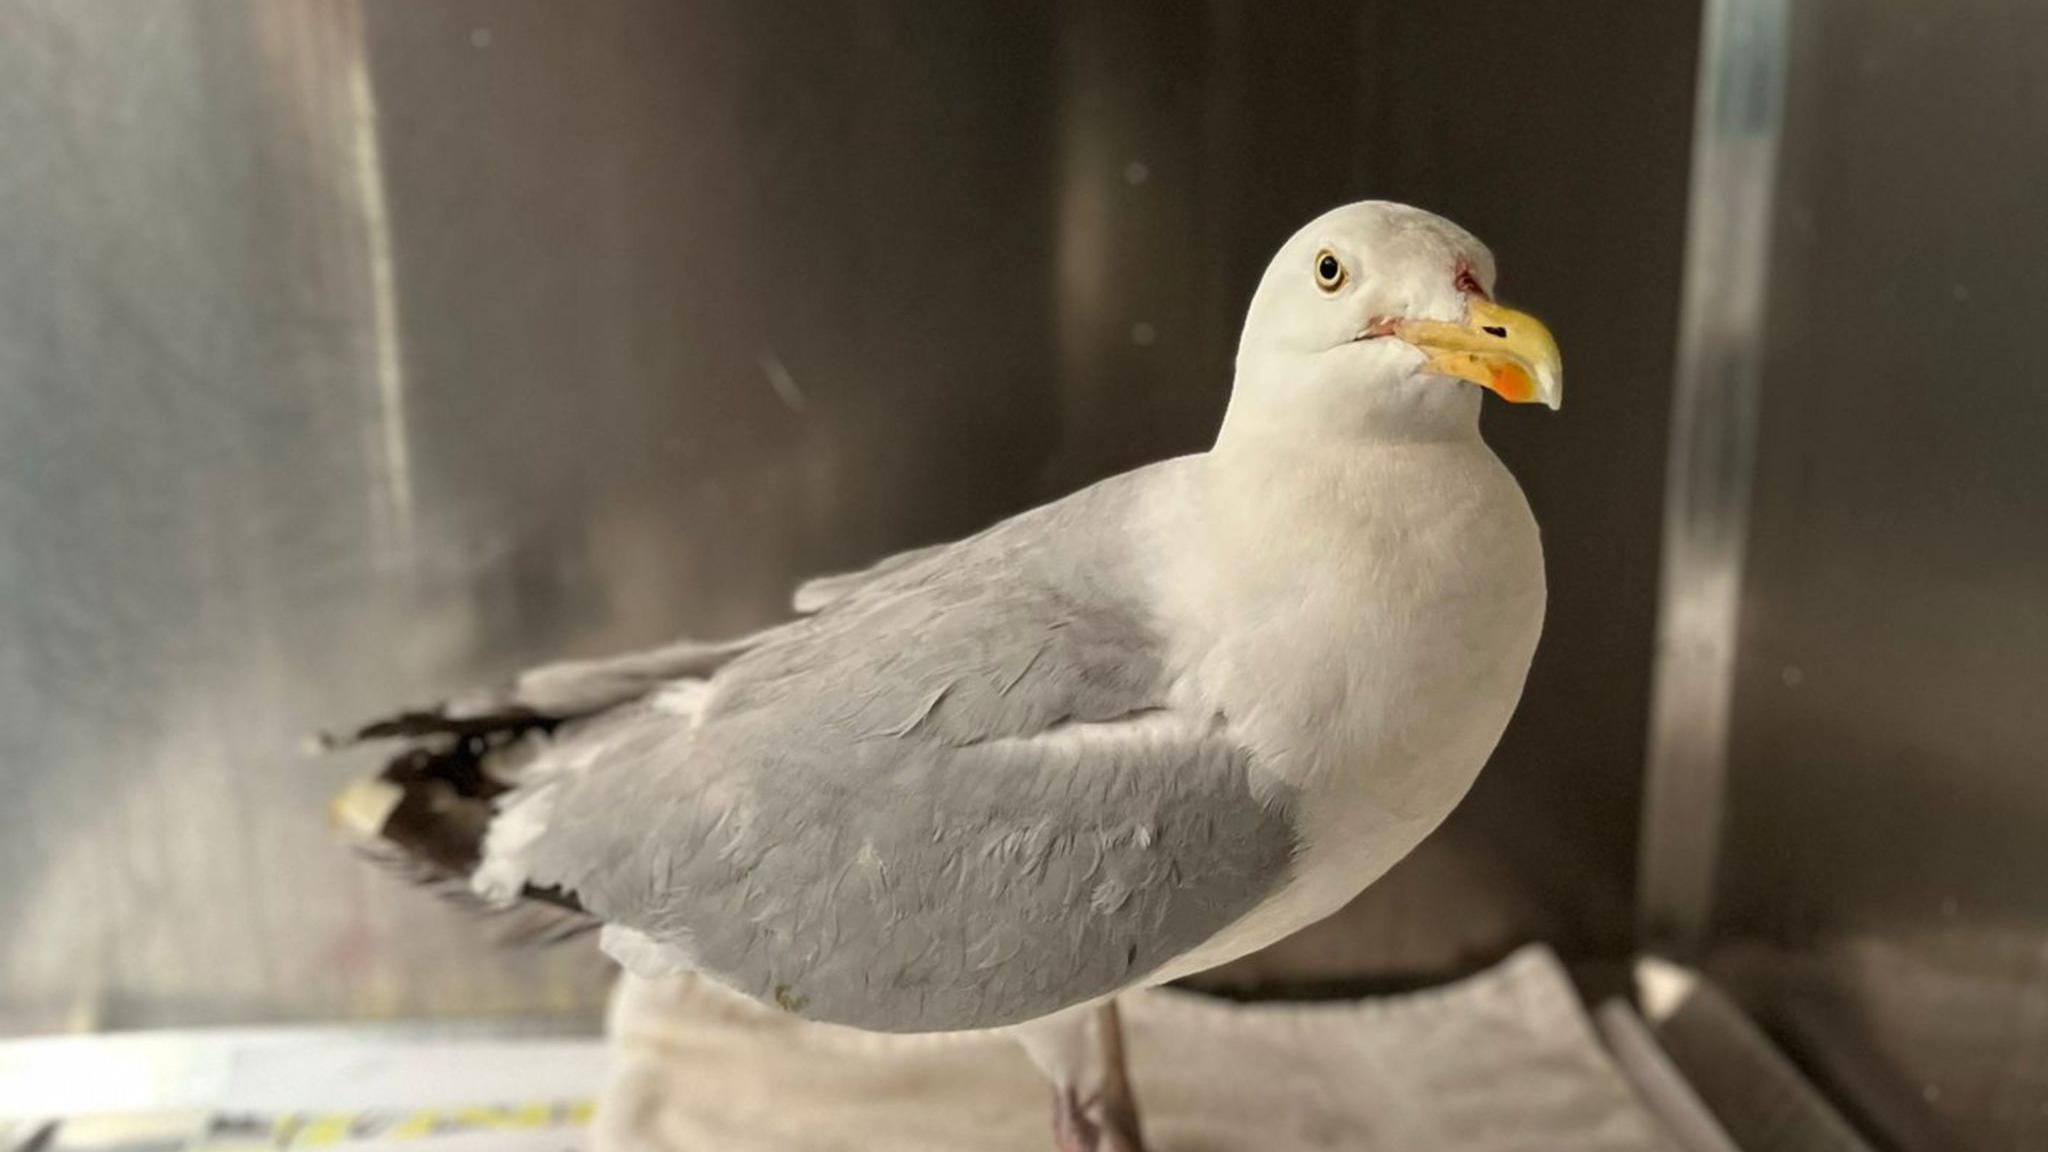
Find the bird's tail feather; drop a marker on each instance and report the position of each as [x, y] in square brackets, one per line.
[424, 816]
[427, 814]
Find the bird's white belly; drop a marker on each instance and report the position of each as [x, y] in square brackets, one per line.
[1355, 828]
[1406, 702]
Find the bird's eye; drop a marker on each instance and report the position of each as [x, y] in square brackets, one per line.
[1329, 271]
[1469, 284]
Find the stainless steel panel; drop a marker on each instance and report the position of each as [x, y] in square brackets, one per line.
[355, 353]
[1758, 1097]
[1887, 806]
[1713, 451]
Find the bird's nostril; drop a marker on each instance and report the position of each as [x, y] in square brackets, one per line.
[1494, 330]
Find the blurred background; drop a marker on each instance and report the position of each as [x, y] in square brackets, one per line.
[354, 353]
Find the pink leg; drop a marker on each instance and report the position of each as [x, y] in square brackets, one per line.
[1103, 1116]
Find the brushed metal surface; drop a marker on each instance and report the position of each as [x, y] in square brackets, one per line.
[1763, 1101]
[1736, 127]
[1884, 847]
[354, 353]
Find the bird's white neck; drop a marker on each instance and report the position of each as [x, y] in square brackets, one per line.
[1283, 508]
[1284, 407]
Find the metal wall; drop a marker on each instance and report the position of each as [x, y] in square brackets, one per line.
[353, 353]
[1878, 887]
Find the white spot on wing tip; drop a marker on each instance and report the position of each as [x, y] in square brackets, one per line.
[498, 882]
[503, 873]
[363, 806]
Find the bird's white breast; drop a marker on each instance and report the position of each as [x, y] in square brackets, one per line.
[1365, 622]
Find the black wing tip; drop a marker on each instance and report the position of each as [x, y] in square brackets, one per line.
[424, 815]
[441, 721]
[541, 917]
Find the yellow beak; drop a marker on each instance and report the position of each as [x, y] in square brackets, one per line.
[1507, 352]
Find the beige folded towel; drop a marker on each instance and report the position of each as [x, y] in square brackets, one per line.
[1505, 1060]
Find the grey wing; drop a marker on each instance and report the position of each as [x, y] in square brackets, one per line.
[956, 799]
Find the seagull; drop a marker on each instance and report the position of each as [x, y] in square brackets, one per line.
[1107, 743]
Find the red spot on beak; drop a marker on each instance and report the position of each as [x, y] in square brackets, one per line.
[1512, 384]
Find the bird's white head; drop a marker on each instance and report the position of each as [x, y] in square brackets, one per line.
[1378, 319]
